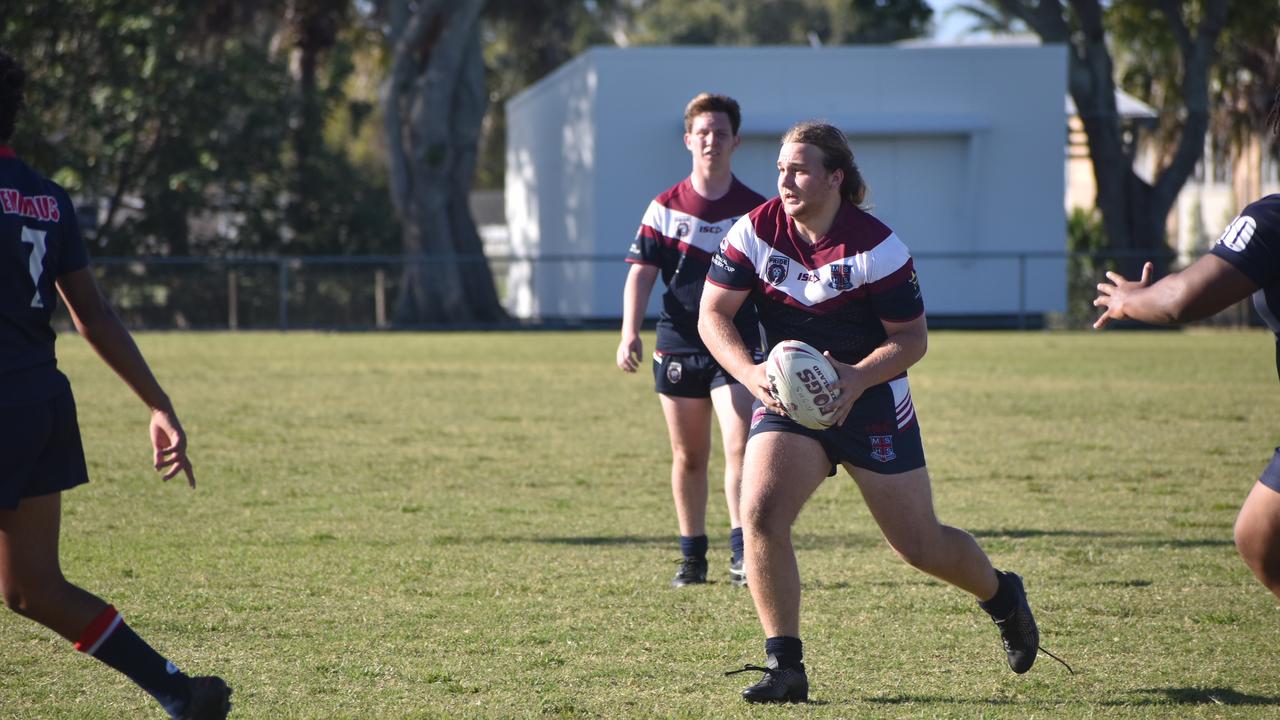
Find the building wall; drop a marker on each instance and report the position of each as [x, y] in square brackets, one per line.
[961, 148]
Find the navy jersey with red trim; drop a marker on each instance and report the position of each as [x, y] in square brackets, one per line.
[679, 233]
[39, 242]
[1252, 244]
[831, 294]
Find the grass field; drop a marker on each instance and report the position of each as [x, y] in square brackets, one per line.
[480, 525]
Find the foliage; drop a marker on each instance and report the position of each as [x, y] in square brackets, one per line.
[170, 122]
[347, 554]
[524, 41]
[1086, 266]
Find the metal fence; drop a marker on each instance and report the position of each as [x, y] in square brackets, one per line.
[359, 292]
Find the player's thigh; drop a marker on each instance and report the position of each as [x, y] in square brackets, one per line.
[1258, 524]
[29, 542]
[902, 504]
[688, 425]
[732, 404]
[779, 473]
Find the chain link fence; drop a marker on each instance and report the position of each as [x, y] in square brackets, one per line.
[360, 292]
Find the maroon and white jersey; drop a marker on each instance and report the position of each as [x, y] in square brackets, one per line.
[832, 294]
[679, 233]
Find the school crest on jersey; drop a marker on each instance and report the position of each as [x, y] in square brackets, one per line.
[776, 270]
[841, 278]
[682, 229]
[882, 448]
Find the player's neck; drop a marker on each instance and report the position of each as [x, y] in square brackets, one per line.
[711, 184]
[813, 227]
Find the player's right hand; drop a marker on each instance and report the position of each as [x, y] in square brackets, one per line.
[630, 350]
[757, 381]
[169, 443]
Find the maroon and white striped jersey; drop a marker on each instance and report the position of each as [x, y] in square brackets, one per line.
[679, 233]
[832, 294]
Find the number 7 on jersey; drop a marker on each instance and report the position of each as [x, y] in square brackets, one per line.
[36, 265]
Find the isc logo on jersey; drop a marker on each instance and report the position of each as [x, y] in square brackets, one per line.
[1238, 233]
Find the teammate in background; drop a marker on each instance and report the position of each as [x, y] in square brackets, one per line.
[820, 269]
[40, 451]
[1245, 261]
[677, 236]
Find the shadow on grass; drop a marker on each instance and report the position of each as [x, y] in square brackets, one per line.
[1194, 696]
[1123, 538]
[1023, 533]
[601, 540]
[942, 699]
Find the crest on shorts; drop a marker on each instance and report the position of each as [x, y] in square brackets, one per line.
[841, 278]
[776, 271]
[882, 448]
[675, 371]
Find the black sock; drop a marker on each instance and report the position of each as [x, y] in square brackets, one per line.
[1002, 604]
[788, 651]
[694, 547]
[111, 641]
[736, 544]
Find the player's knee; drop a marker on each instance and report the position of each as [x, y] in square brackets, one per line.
[688, 464]
[761, 518]
[916, 550]
[1259, 547]
[17, 600]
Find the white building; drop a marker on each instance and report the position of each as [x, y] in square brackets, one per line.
[961, 147]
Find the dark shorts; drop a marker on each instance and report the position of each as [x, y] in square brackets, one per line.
[40, 450]
[692, 375]
[881, 433]
[1271, 476]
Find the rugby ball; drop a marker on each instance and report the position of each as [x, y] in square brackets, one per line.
[803, 381]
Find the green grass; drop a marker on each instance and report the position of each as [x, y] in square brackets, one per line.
[480, 525]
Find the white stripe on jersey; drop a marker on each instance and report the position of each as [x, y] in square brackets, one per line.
[1264, 310]
[905, 409]
[812, 287]
[685, 228]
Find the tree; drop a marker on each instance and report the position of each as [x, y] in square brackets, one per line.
[1133, 210]
[434, 100]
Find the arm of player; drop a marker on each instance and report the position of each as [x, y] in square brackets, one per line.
[905, 345]
[101, 327]
[1208, 286]
[635, 296]
[715, 324]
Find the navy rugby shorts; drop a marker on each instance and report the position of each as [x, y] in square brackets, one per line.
[1271, 476]
[691, 375]
[40, 450]
[881, 433]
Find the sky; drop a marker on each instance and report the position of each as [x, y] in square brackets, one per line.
[947, 28]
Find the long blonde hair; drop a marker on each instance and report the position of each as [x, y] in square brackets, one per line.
[836, 155]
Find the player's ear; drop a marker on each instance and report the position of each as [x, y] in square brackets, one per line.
[836, 179]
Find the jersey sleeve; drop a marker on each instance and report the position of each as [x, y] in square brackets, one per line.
[1251, 243]
[72, 254]
[893, 286]
[646, 248]
[731, 265]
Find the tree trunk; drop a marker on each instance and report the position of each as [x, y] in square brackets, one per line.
[1134, 212]
[435, 101]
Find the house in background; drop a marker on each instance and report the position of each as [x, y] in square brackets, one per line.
[961, 147]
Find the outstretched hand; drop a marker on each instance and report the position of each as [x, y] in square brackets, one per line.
[169, 443]
[1112, 297]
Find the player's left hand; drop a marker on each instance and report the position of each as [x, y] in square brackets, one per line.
[169, 443]
[850, 386]
[1111, 297]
